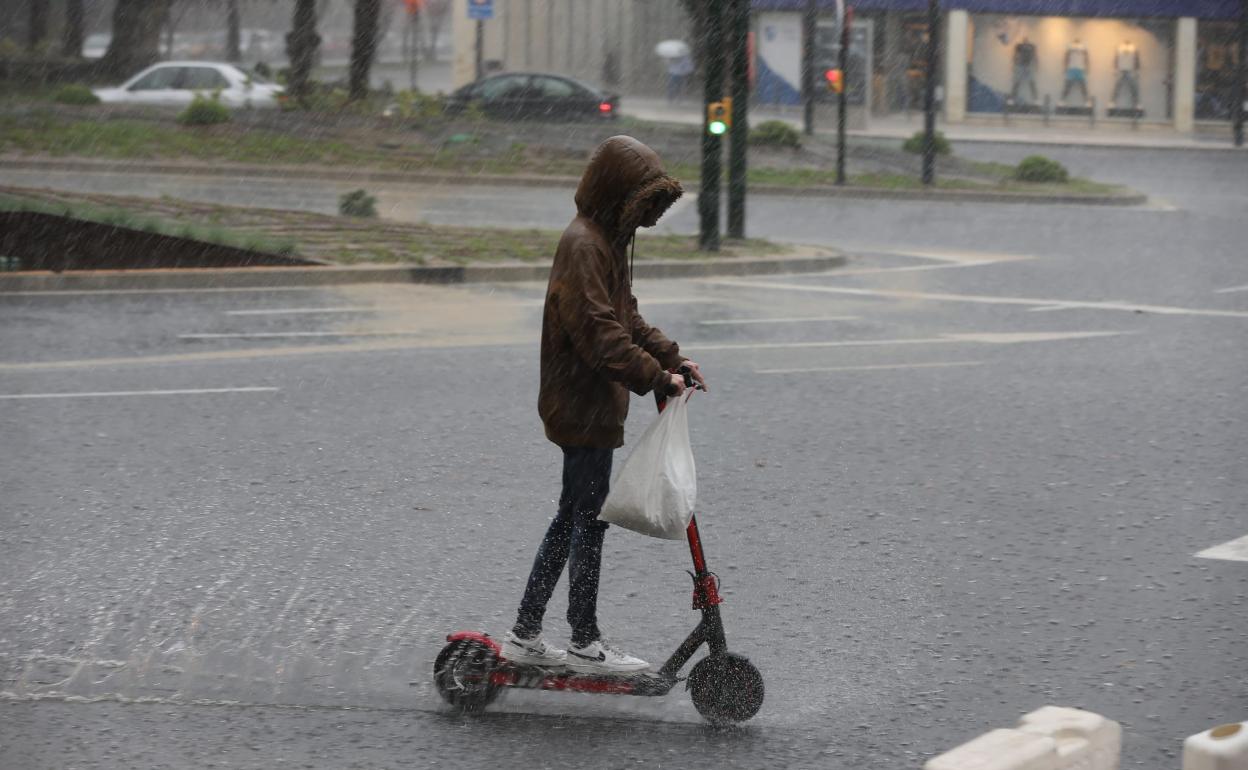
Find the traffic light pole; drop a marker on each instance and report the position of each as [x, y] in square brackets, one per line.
[842, 99]
[739, 34]
[810, 18]
[929, 93]
[708, 193]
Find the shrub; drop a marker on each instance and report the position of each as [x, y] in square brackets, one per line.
[915, 144]
[1037, 168]
[416, 106]
[775, 133]
[357, 204]
[203, 111]
[75, 94]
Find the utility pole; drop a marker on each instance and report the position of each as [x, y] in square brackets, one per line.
[708, 193]
[929, 93]
[739, 35]
[842, 99]
[810, 17]
[480, 49]
[1241, 74]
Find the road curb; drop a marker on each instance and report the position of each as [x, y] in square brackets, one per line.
[285, 277]
[537, 180]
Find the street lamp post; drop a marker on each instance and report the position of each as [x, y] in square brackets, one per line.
[929, 93]
[1241, 74]
[842, 98]
[739, 34]
[810, 18]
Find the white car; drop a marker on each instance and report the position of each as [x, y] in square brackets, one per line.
[177, 83]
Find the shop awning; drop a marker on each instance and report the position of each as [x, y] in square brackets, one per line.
[1121, 9]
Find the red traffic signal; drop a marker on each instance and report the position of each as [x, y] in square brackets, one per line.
[836, 82]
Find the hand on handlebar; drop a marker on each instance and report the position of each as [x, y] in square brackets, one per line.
[696, 373]
[675, 384]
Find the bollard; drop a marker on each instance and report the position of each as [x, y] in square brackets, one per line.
[1049, 738]
[1224, 747]
[1085, 740]
[1000, 750]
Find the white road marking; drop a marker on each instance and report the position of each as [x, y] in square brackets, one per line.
[286, 335]
[983, 299]
[1232, 289]
[269, 353]
[79, 292]
[1235, 550]
[987, 338]
[735, 321]
[870, 368]
[304, 310]
[380, 308]
[106, 393]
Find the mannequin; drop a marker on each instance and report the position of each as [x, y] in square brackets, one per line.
[1076, 69]
[1024, 70]
[1127, 65]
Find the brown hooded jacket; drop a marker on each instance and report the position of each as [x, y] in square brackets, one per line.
[595, 345]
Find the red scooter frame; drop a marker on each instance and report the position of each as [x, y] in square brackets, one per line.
[725, 687]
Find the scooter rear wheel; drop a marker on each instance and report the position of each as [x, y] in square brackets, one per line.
[462, 675]
[726, 688]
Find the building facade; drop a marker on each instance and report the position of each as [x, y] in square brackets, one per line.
[1160, 61]
[606, 43]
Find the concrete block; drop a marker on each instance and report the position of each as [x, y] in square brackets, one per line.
[1085, 741]
[1001, 750]
[1049, 738]
[1224, 747]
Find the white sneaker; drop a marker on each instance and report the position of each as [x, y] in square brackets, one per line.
[600, 656]
[532, 652]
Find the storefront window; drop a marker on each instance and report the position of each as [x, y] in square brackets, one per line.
[1217, 56]
[1112, 66]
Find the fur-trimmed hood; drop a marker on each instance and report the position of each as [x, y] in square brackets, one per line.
[623, 179]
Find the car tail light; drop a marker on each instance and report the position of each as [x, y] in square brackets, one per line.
[605, 108]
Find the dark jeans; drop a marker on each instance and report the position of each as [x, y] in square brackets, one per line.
[574, 536]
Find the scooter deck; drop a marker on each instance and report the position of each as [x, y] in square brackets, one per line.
[510, 674]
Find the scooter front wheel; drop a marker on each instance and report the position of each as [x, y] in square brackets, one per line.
[462, 675]
[726, 688]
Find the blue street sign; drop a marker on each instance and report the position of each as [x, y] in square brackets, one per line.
[481, 10]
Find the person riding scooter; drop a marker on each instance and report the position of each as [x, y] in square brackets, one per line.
[595, 348]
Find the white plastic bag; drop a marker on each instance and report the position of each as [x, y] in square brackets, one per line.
[655, 489]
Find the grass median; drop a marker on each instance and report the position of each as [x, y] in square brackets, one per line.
[469, 146]
[345, 240]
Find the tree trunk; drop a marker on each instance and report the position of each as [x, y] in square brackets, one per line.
[38, 29]
[363, 46]
[136, 36]
[75, 19]
[233, 51]
[301, 45]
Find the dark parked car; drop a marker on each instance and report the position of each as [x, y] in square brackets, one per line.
[516, 95]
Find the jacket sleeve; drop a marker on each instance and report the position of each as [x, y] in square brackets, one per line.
[653, 341]
[595, 332]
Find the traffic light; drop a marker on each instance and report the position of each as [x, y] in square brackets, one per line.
[719, 116]
[836, 82]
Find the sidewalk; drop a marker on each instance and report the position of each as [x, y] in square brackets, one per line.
[986, 128]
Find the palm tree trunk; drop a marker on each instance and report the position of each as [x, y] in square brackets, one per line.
[71, 42]
[136, 36]
[301, 45]
[363, 45]
[38, 29]
[233, 52]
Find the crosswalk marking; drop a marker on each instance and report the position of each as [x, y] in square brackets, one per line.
[1234, 550]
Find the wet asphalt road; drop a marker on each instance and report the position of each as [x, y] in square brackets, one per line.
[988, 501]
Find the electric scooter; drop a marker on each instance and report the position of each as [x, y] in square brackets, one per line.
[726, 688]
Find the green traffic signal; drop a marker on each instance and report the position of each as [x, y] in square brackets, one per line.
[717, 127]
